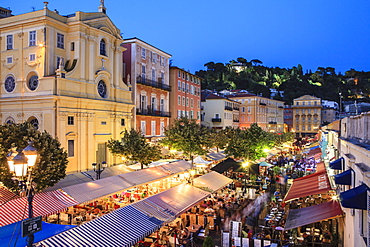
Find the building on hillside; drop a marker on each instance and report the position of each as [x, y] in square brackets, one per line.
[267, 113]
[146, 68]
[347, 152]
[306, 115]
[185, 94]
[63, 73]
[218, 112]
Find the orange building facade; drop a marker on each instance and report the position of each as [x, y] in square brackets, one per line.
[185, 94]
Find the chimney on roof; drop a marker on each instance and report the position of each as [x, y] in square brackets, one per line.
[5, 12]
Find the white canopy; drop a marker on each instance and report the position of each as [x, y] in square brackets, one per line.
[201, 161]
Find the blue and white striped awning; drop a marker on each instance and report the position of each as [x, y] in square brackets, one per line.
[177, 200]
[176, 167]
[92, 190]
[213, 181]
[145, 175]
[122, 228]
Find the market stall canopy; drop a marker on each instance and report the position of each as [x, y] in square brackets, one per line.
[91, 190]
[6, 195]
[337, 164]
[314, 153]
[146, 175]
[264, 163]
[200, 161]
[12, 234]
[355, 198]
[83, 177]
[308, 215]
[230, 163]
[167, 205]
[44, 204]
[161, 162]
[178, 166]
[344, 178]
[216, 156]
[320, 167]
[315, 183]
[123, 227]
[112, 171]
[213, 181]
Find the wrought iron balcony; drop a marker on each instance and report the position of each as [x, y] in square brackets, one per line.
[261, 103]
[236, 108]
[272, 122]
[236, 120]
[151, 112]
[151, 83]
[228, 108]
[216, 120]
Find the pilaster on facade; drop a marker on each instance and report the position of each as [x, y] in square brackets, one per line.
[65, 73]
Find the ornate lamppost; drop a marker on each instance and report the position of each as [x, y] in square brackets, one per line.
[99, 168]
[21, 164]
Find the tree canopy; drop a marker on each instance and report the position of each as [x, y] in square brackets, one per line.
[134, 147]
[249, 144]
[187, 136]
[52, 161]
[252, 76]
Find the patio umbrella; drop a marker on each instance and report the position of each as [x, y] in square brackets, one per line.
[264, 163]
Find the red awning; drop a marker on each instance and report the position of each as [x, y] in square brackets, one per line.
[312, 184]
[308, 215]
[43, 204]
[313, 152]
[320, 167]
[6, 195]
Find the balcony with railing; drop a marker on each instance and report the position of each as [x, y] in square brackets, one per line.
[236, 108]
[272, 122]
[236, 120]
[151, 83]
[228, 108]
[264, 104]
[150, 112]
[216, 120]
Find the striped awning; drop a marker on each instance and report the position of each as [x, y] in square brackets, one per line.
[315, 183]
[145, 175]
[6, 195]
[213, 181]
[111, 171]
[45, 203]
[176, 200]
[176, 167]
[216, 156]
[123, 227]
[92, 190]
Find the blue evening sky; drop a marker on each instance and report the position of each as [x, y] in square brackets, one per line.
[283, 33]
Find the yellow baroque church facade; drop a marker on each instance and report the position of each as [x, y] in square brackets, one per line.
[64, 75]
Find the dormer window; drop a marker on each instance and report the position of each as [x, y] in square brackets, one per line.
[103, 48]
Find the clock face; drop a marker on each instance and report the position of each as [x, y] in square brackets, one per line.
[9, 84]
[102, 89]
[33, 82]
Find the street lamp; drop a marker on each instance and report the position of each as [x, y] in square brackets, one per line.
[99, 168]
[21, 164]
